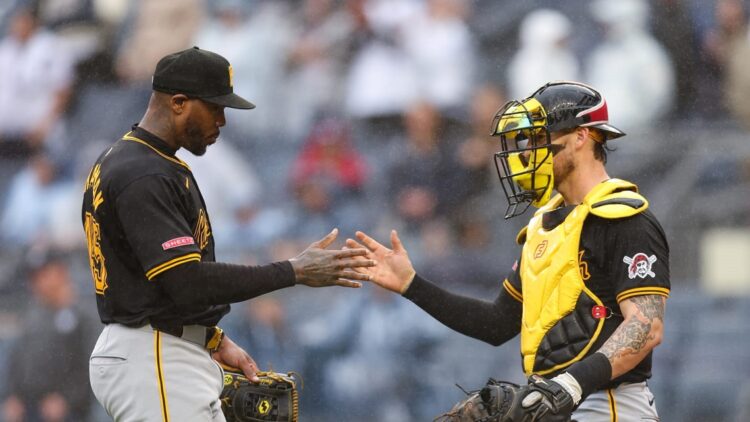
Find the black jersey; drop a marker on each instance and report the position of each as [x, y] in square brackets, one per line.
[618, 259]
[143, 214]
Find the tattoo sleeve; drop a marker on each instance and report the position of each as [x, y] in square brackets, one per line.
[635, 332]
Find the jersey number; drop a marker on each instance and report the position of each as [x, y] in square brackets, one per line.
[96, 259]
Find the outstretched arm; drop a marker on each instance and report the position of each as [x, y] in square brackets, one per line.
[637, 335]
[492, 322]
[215, 283]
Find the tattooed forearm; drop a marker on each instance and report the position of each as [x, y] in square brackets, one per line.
[629, 338]
[632, 336]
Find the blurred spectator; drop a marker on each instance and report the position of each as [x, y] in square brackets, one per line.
[731, 51]
[254, 36]
[673, 28]
[424, 180]
[381, 81]
[315, 63]
[629, 67]
[328, 153]
[41, 206]
[327, 180]
[475, 153]
[544, 38]
[48, 368]
[441, 47]
[157, 28]
[730, 24]
[77, 24]
[35, 76]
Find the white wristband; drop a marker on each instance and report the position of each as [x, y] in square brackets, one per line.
[570, 384]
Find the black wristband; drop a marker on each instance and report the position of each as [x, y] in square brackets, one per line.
[592, 373]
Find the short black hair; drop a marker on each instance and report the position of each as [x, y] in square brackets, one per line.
[600, 145]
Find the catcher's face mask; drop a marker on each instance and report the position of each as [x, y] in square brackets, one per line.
[524, 163]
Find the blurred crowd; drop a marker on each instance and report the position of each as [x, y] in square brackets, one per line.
[372, 115]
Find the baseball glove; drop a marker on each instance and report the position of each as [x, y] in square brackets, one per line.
[493, 403]
[499, 401]
[274, 398]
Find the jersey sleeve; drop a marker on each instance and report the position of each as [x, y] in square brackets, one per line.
[639, 257]
[154, 221]
[512, 282]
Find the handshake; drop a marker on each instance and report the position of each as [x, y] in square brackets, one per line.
[363, 259]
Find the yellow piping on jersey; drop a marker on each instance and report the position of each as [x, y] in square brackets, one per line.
[175, 160]
[612, 405]
[153, 272]
[640, 291]
[515, 294]
[160, 377]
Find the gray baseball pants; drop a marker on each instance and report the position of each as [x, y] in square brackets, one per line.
[144, 375]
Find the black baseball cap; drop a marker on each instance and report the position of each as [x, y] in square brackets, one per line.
[200, 74]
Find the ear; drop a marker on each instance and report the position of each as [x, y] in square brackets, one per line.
[178, 103]
[582, 136]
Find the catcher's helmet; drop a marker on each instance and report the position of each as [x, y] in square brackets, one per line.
[526, 125]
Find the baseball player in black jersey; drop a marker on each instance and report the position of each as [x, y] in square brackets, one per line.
[151, 251]
[588, 292]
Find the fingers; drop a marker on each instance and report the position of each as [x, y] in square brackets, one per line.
[350, 253]
[353, 244]
[249, 368]
[396, 242]
[347, 283]
[369, 242]
[356, 263]
[353, 275]
[531, 399]
[326, 241]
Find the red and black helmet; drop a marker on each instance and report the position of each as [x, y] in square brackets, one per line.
[525, 127]
[572, 104]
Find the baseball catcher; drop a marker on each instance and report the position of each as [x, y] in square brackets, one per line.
[273, 398]
[588, 290]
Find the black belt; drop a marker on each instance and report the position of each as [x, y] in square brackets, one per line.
[208, 337]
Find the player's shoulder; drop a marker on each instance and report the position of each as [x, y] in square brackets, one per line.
[126, 162]
[639, 224]
[619, 203]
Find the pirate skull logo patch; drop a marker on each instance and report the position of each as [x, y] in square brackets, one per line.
[640, 265]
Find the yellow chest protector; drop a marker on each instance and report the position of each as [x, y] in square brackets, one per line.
[557, 326]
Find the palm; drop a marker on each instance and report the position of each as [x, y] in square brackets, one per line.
[394, 270]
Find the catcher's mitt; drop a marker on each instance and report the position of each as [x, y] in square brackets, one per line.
[274, 398]
[541, 400]
[493, 403]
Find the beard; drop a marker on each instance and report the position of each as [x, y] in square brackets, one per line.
[562, 171]
[194, 141]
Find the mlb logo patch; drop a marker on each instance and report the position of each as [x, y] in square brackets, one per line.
[639, 265]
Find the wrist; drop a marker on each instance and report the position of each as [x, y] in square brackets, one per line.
[406, 285]
[570, 385]
[214, 339]
[591, 373]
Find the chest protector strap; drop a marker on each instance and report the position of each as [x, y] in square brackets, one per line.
[557, 326]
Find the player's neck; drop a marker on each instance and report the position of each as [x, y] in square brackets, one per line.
[158, 125]
[581, 181]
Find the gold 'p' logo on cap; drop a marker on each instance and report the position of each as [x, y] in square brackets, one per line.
[231, 75]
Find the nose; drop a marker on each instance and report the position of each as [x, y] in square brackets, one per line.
[525, 157]
[220, 118]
